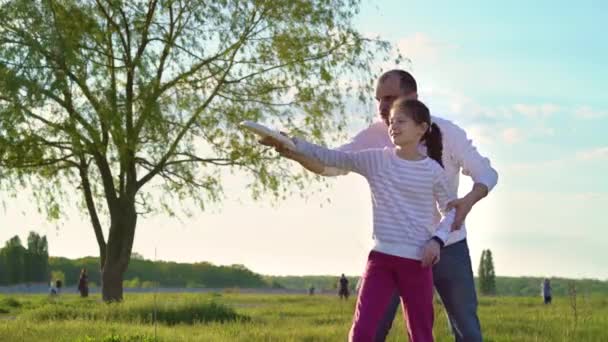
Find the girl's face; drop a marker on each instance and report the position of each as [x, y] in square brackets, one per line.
[403, 130]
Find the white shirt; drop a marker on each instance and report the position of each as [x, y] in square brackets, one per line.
[459, 153]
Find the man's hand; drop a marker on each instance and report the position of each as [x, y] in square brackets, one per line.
[463, 206]
[430, 253]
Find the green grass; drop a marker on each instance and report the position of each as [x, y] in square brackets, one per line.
[245, 317]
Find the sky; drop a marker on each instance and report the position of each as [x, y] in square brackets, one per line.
[528, 83]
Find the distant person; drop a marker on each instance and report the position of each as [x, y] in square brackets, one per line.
[83, 283]
[52, 288]
[343, 288]
[546, 290]
[311, 290]
[58, 284]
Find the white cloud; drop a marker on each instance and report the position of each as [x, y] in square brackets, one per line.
[586, 112]
[590, 196]
[589, 155]
[593, 154]
[420, 48]
[528, 167]
[512, 135]
[545, 131]
[537, 111]
[481, 134]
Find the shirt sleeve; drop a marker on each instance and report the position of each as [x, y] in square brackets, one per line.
[442, 197]
[473, 164]
[362, 162]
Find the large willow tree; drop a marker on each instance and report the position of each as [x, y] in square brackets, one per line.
[125, 107]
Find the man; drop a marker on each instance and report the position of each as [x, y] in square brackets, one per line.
[453, 275]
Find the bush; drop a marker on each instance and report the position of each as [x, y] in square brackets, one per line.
[117, 338]
[194, 285]
[10, 302]
[146, 284]
[133, 283]
[185, 310]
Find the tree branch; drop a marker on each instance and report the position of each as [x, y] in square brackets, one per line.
[90, 202]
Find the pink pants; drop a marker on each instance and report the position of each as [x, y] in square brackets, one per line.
[383, 274]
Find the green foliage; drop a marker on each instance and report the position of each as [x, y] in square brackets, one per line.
[200, 275]
[505, 286]
[58, 275]
[118, 338]
[148, 284]
[147, 274]
[321, 283]
[13, 260]
[37, 258]
[487, 276]
[157, 88]
[133, 283]
[186, 309]
[9, 303]
[21, 265]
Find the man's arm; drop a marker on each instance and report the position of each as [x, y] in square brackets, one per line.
[464, 205]
[473, 165]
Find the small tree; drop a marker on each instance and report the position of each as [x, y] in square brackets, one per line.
[38, 258]
[491, 275]
[486, 274]
[14, 257]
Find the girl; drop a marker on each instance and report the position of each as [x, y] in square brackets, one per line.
[406, 186]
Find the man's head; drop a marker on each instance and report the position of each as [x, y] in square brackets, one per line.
[392, 85]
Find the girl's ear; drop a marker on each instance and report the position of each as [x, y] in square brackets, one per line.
[424, 126]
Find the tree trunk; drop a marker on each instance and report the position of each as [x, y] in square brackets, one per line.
[118, 249]
[111, 283]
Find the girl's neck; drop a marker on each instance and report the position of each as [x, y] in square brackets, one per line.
[408, 152]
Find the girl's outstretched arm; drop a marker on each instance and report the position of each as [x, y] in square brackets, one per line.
[363, 162]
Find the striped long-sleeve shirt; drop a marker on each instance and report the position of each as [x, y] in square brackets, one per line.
[405, 196]
[459, 155]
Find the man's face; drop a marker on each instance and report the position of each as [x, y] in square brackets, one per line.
[387, 92]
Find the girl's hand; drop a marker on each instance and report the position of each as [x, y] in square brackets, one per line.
[281, 149]
[272, 142]
[430, 253]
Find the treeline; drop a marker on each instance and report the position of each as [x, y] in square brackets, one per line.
[530, 286]
[32, 264]
[145, 273]
[322, 282]
[505, 286]
[20, 264]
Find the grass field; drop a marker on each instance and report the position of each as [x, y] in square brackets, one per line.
[257, 317]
